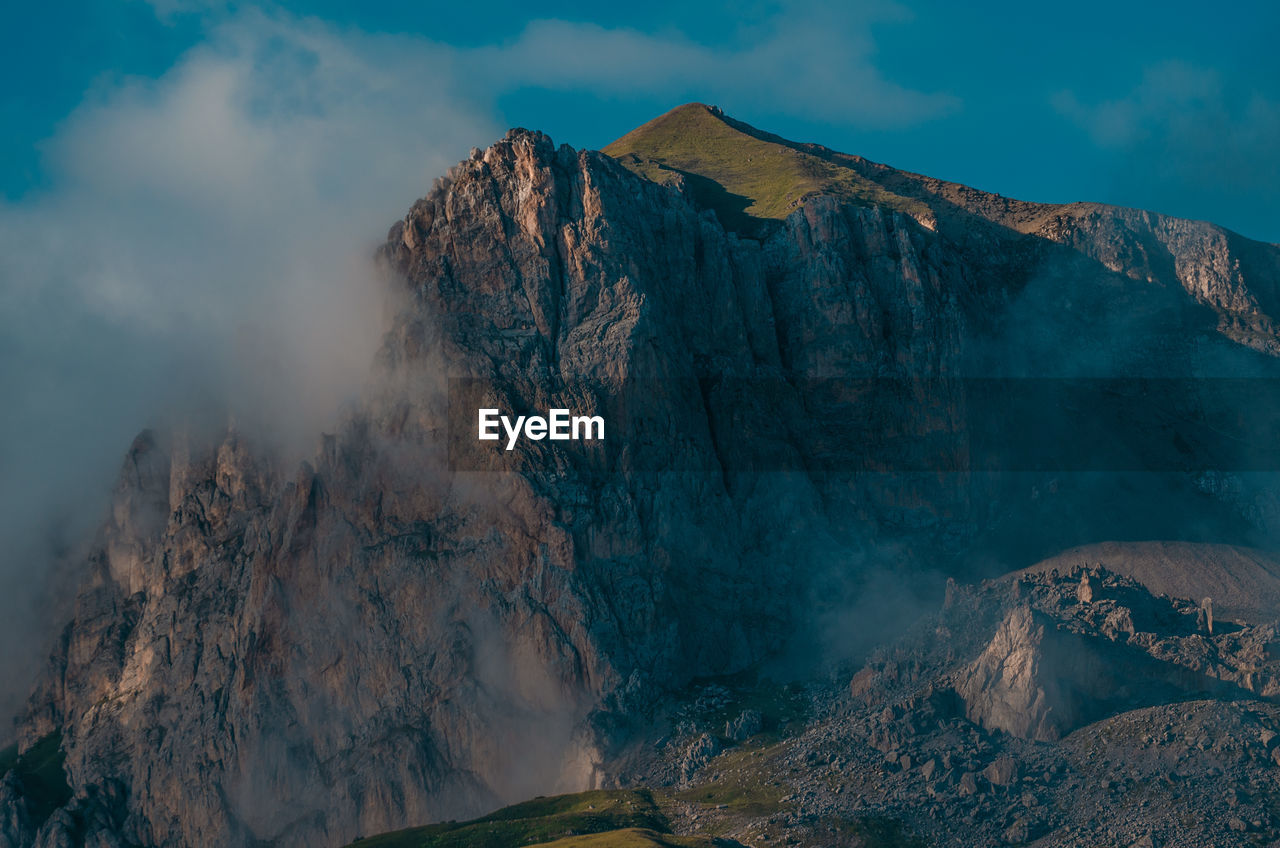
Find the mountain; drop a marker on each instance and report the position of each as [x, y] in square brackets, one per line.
[411, 627]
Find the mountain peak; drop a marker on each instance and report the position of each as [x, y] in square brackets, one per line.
[747, 176]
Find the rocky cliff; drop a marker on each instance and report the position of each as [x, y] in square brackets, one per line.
[395, 632]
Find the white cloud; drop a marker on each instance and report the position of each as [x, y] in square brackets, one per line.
[206, 232]
[809, 61]
[242, 186]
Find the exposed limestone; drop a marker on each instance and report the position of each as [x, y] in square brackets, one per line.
[1023, 682]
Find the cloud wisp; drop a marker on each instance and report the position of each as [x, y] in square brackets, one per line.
[807, 61]
[205, 244]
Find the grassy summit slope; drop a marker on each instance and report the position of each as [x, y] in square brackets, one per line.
[745, 175]
[750, 177]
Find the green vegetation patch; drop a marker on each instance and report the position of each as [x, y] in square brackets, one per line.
[40, 769]
[539, 821]
[745, 176]
[630, 838]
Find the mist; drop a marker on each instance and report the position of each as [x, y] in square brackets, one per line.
[204, 253]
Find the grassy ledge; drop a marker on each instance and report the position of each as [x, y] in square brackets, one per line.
[630, 816]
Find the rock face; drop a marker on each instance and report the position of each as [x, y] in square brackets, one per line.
[297, 655]
[1020, 685]
[1053, 666]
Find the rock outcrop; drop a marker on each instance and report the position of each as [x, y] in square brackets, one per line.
[1059, 661]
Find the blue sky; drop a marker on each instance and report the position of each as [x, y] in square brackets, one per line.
[1165, 106]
